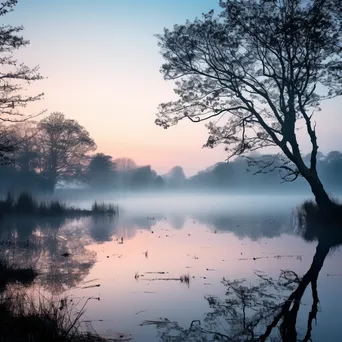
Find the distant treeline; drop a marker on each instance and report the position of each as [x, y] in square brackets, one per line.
[262, 174]
[38, 156]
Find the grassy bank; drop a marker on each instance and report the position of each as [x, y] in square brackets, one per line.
[25, 204]
[27, 318]
[320, 225]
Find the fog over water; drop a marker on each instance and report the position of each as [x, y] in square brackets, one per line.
[133, 262]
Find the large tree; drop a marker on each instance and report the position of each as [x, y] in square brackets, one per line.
[175, 177]
[65, 145]
[101, 171]
[261, 69]
[14, 77]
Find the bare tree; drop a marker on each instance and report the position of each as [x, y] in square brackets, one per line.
[65, 146]
[261, 69]
[125, 164]
[14, 75]
[26, 155]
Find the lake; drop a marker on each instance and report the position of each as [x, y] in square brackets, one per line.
[176, 257]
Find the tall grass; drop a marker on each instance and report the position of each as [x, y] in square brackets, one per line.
[25, 204]
[322, 225]
[103, 208]
[26, 316]
[23, 317]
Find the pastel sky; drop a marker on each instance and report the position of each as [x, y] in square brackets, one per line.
[102, 62]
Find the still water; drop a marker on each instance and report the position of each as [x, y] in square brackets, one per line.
[165, 258]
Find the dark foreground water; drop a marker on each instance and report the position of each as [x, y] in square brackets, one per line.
[183, 258]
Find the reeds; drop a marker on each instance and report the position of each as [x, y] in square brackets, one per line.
[24, 317]
[322, 225]
[25, 204]
[185, 279]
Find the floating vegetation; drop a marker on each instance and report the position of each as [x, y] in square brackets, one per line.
[183, 279]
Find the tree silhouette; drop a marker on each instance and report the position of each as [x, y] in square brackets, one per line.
[264, 67]
[26, 156]
[125, 164]
[101, 171]
[14, 76]
[142, 177]
[7, 145]
[65, 146]
[175, 177]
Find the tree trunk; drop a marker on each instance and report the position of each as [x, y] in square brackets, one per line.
[288, 326]
[321, 196]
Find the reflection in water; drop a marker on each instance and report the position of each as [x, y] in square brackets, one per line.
[40, 242]
[177, 221]
[31, 242]
[101, 229]
[267, 310]
[254, 226]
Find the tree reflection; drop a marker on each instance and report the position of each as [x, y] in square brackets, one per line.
[267, 310]
[252, 225]
[31, 242]
[101, 229]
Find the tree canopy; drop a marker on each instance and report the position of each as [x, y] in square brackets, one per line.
[14, 77]
[100, 171]
[260, 69]
[65, 145]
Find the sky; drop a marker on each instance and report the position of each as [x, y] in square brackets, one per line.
[101, 62]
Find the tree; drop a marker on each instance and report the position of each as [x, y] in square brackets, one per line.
[125, 168]
[65, 147]
[125, 164]
[333, 156]
[159, 182]
[142, 177]
[27, 149]
[264, 67]
[7, 144]
[14, 76]
[101, 171]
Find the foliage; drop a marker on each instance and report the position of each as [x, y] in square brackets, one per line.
[14, 76]
[101, 171]
[311, 220]
[175, 177]
[125, 164]
[239, 175]
[264, 67]
[25, 204]
[65, 145]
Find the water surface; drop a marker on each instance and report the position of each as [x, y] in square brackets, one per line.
[132, 264]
